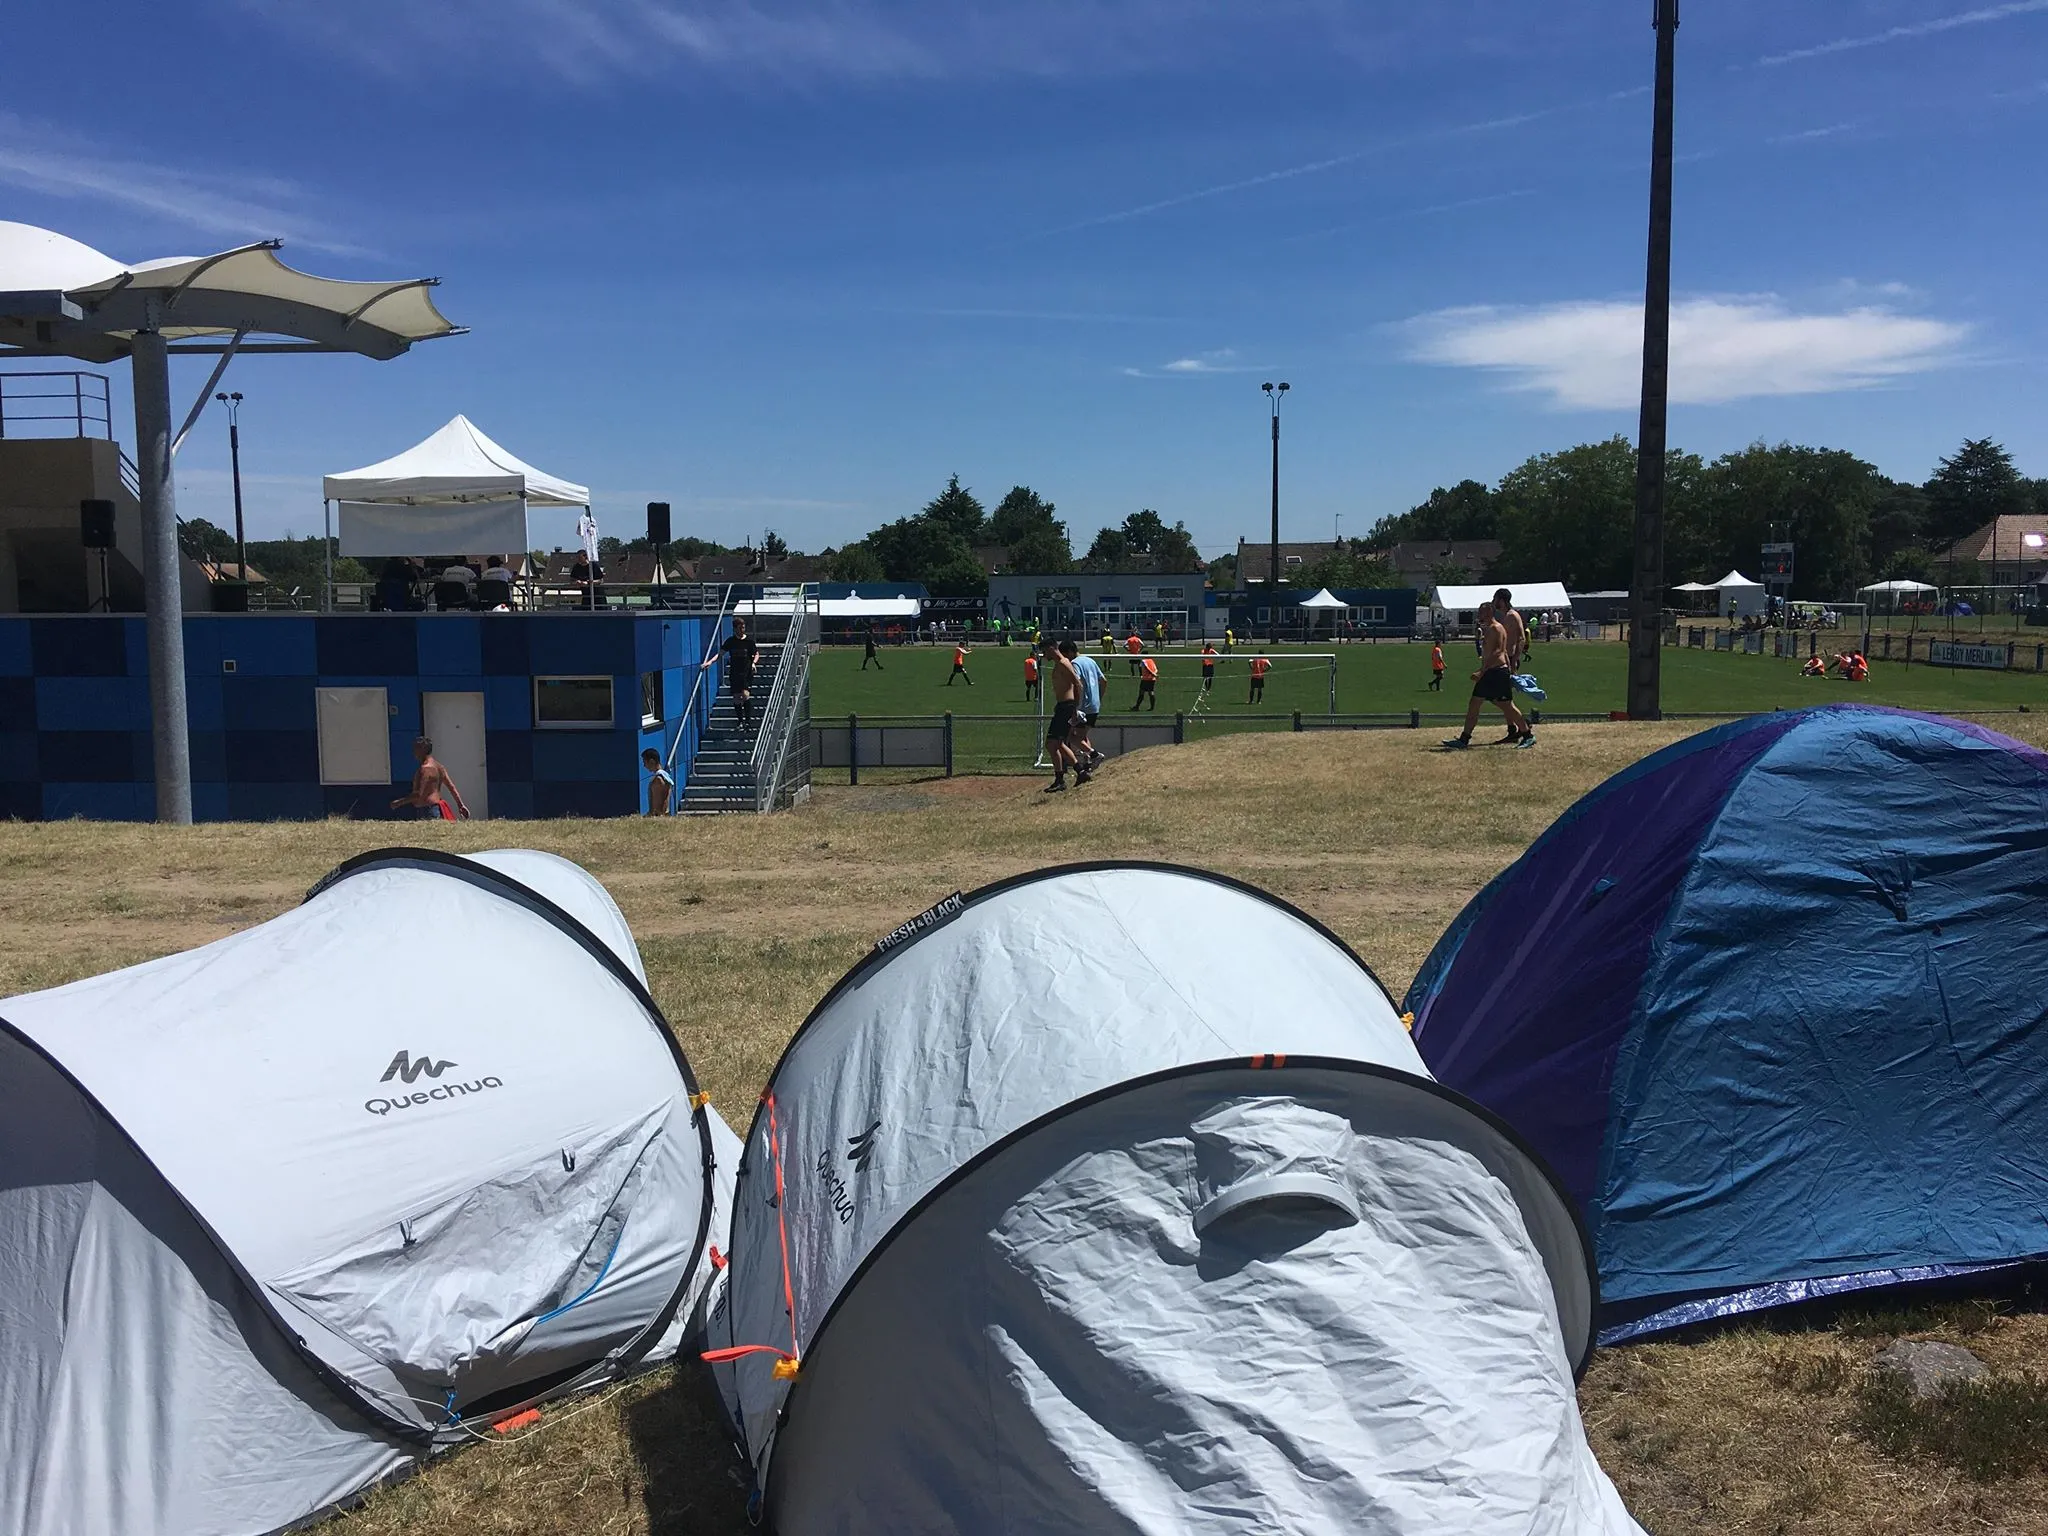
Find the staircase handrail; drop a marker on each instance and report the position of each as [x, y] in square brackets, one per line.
[778, 714]
[683, 721]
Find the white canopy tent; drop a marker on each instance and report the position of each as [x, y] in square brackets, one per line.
[1695, 586]
[456, 491]
[854, 606]
[1899, 586]
[1740, 597]
[1528, 596]
[1324, 599]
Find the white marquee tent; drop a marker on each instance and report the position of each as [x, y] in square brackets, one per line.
[455, 492]
[854, 606]
[1529, 596]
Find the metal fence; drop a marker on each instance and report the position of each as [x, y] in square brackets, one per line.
[1931, 648]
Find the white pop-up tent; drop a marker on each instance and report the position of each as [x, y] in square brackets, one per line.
[282, 1216]
[1117, 1198]
[454, 492]
[1740, 597]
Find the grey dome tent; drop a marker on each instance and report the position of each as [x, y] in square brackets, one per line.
[1115, 1199]
[284, 1215]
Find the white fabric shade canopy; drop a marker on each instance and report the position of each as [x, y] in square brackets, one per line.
[1324, 599]
[1735, 579]
[245, 289]
[1696, 586]
[457, 491]
[1900, 585]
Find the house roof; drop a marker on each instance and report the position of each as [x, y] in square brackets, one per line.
[2003, 539]
[1255, 560]
[635, 568]
[748, 565]
[1423, 556]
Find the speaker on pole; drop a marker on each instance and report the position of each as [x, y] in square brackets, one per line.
[657, 523]
[96, 524]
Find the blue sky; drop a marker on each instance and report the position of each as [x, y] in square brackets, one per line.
[788, 265]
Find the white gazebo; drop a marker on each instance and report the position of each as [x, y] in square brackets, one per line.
[455, 491]
[1893, 591]
[1740, 597]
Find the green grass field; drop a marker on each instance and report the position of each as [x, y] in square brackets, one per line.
[1581, 678]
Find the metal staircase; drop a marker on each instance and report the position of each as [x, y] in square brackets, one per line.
[765, 765]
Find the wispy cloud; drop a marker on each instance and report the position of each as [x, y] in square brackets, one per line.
[1908, 31]
[1588, 355]
[862, 40]
[1222, 360]
[1806, 135]
[1306, 168]
[36, 157]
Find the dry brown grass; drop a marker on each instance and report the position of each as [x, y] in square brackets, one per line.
[745, 922]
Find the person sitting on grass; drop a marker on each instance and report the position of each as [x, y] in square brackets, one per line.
[1815, 667]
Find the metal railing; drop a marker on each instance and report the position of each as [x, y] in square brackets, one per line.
[697, 691]
[786, 713]
[51, 404]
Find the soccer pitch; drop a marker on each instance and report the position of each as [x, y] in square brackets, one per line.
[1580, 677]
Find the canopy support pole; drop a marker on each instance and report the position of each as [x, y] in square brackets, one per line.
[227, 356]
[164, 598]
[326, 554]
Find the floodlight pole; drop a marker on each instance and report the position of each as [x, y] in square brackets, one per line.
[162, 589]
[1273, 394]
[1645, 659]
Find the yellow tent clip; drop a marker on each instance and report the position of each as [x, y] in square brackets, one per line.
[785, 1369]
[1408, 1022]
[699, 1100]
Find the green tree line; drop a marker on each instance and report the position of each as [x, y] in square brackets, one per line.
[1571, 515]
[950, 543]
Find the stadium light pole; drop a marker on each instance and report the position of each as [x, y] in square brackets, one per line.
[234, 404]
[1645, 660]
[1273, 394]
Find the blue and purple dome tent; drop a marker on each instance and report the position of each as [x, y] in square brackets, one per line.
[1774, 1004]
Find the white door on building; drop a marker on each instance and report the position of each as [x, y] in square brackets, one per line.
[455, 724]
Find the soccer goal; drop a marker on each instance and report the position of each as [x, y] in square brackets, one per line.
[1295, 680]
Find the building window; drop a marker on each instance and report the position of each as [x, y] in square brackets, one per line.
[355, 735]
[650, 700]
[1265, 616]
[1368, 615]
[572, 703]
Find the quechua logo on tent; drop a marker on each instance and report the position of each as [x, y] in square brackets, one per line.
[402, 1065]
[406, 1068]
[860, 1149]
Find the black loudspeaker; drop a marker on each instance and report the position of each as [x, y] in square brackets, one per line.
[657, 523]
[96, 524]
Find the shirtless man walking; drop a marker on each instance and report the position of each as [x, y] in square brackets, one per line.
[1492, 684]
[1518, 647]
[429, 781]
[1066, 707]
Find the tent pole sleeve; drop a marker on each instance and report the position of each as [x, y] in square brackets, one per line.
[171, 747]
